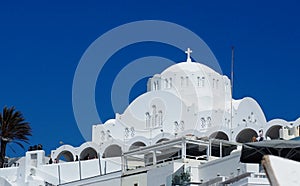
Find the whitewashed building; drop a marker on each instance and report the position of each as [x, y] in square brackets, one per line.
[186, 125]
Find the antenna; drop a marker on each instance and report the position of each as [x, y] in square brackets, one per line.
[232, 65]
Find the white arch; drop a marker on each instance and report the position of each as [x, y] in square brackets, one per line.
[109, 143]
[112, 150]
[219, 135]
[66, 150]
[136, 145]
[162, 136]
[245, 135]
[88, 150]
[88, 144]
[137, 139]
[273, 126]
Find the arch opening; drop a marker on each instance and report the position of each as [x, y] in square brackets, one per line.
[112, 151]
[65, 156]
[88, 153]
[273, 132]
[246, 135]
[136, 145]
[162, 140]
[219, 135]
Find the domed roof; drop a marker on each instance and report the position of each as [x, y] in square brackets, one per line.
[188, 67]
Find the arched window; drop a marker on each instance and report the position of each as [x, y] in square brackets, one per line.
[181, 81]
[203, 123]
[208, 121]
[126, 132]
[166, 83]
[213, 83]
[198, 81]
[171, 83]
[160, 118]
[176, 126]
[108, 135]
[154, 116]
[154, 85]
[182, 125]
[102, 135]
[203, 81]
[187, 81]
[147, 119]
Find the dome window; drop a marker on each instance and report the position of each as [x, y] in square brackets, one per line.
[181, 82]
[203, 81]
[160, 118]
[187, 80]
[198, 81]
[166, 83]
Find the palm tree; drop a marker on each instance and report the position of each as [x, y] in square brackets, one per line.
[13, 129]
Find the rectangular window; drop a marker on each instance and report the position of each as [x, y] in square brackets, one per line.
[33, 156]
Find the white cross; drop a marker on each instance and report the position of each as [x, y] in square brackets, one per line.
[188, 52]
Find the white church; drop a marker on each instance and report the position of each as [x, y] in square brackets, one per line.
[186, 129]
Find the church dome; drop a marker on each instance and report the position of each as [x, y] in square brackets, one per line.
[188, 67]
[196, 84]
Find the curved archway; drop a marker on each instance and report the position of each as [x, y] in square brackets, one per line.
[245, 135]
[273, 132]
[219, 135]
[136, 145]
[88, 153]
[65, 156]
[162, 140]
[112, 151]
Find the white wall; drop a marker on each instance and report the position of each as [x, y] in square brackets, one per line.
[140, 179]
[111, 179]
[70, 171]
[158, 176]
[9, 173]
[229, 164]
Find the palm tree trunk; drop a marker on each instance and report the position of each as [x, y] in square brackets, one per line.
[2, 153]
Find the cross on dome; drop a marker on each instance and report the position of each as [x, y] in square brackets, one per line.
[188, 52]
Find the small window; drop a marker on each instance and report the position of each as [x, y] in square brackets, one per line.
[34, 156]
[166, 83]
[136, 184]
[181, 83]
[187, 80]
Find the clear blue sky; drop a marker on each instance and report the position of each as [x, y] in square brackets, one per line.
[41, 44]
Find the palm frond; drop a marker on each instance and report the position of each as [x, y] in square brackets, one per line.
[13, 127]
